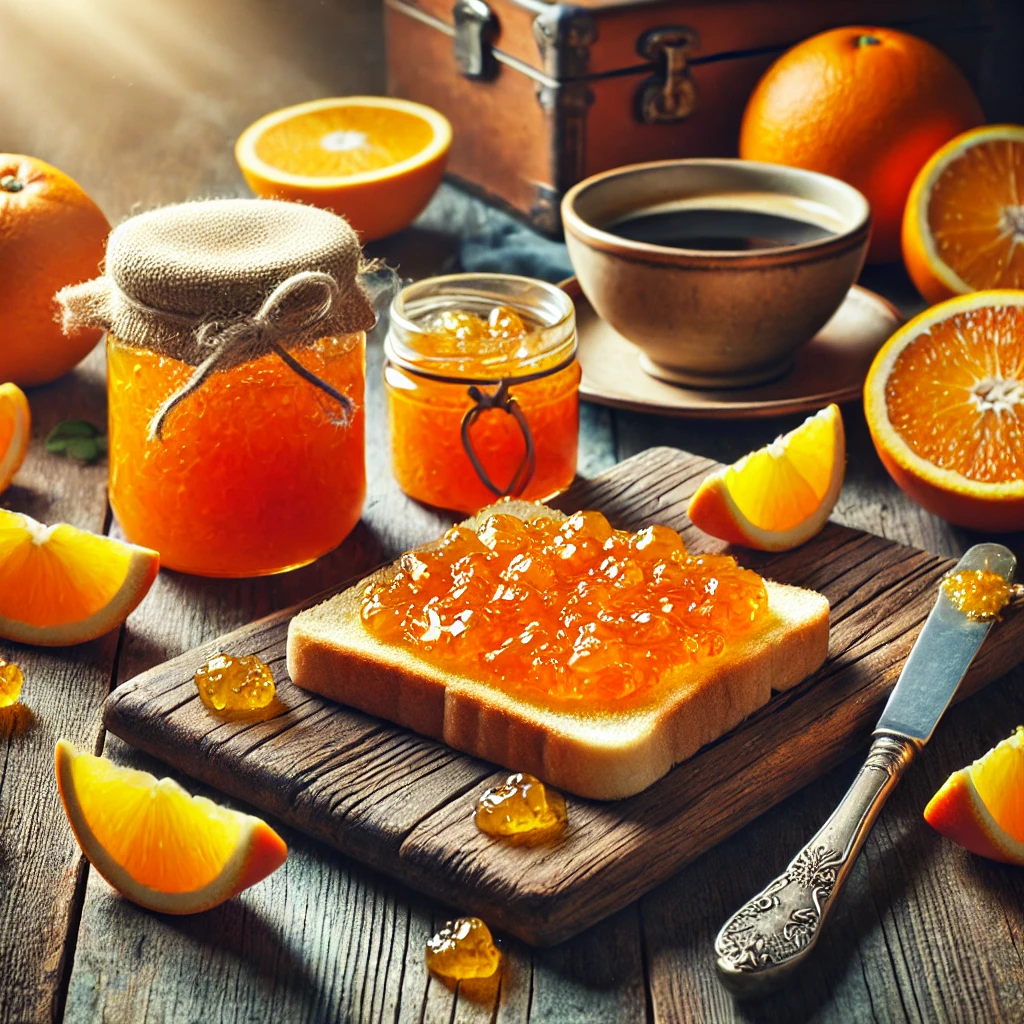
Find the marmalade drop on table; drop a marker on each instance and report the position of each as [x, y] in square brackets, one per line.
[559, 610]
[11, 681]
[510, 339]
[462, 949]
[230, 683]
[521, 809]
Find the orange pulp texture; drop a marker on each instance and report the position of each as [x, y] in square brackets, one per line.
[561, 611]
[344, 140]
[255, 472]
[424, 416]
[958, 404]
[976, 214]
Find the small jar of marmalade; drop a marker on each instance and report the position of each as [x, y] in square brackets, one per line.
[482, 388]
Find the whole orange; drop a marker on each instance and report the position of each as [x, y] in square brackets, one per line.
[51, 235]
[867, 105]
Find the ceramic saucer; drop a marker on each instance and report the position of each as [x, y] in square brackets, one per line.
[831, 367]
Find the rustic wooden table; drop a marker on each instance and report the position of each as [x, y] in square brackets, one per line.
[141, 103]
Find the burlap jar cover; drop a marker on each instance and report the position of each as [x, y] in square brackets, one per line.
[220, 282]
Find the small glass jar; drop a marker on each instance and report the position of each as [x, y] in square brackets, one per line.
[256, 472]
[468, 427]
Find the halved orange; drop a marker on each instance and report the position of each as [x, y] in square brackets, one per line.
[61, 585]
[15, 430]
[963, 225]
[372, 159]
[944, 401]
[781, 495]
[981, 807]
[157, 845]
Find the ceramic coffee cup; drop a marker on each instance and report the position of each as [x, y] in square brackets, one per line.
[715, 317]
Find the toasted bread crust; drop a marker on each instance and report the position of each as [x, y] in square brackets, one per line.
[603, 756]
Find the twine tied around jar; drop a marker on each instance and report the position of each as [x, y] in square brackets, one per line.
[214, 284]
[259, 333]
[499, 399]
[483, 401]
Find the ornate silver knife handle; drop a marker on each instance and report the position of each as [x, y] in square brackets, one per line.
[771, 935]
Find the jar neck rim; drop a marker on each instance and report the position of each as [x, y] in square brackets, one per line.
[419, 370]
[554, 339]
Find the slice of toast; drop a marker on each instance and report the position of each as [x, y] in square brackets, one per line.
[604, 755]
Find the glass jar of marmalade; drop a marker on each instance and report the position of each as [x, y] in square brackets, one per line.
[254, 473]
[236, 370]
[482, 388]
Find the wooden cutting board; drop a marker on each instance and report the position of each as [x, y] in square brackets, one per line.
[402, 803]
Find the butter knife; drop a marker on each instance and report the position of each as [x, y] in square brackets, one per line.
[771, 935]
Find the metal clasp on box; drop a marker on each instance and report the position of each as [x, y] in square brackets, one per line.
[476, 28]
[669, 95]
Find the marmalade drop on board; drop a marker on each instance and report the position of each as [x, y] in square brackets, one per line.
[522, 808]
[229, 683]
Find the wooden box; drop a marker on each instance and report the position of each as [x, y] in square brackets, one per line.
[543, 94]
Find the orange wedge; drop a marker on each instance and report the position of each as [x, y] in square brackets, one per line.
[963, 225]
[944, 401]
[376, 161]
[781, 495]
[15, 429]
[157, 845]
[981, 807]
[60, 585]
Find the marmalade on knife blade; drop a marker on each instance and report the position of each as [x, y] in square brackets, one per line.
[978, 593]
[566, 610]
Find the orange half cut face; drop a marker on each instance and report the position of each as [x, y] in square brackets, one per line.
[963, 227]
[944, 401]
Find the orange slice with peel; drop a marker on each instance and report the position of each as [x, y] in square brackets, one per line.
[963, 225]
[375, 160]
[157, 845]
[781, 495]
[15, 430]
[944, 401]
[981, 807]
[61, 585]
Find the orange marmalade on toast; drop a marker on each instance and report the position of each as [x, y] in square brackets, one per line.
[557, 610]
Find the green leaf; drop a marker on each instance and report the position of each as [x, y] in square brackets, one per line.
[82, 449]
[76, 439]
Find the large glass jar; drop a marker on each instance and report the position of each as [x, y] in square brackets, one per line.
[473, 422]
[256, 472]
[236, 366]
